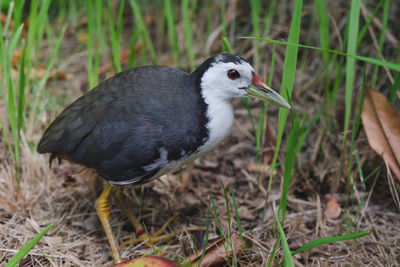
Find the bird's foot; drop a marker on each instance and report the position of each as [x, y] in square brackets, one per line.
[159, 236]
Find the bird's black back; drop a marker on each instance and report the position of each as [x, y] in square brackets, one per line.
[127, 121]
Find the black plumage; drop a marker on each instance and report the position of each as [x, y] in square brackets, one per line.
[124, 123]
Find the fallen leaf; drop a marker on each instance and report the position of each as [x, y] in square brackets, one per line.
[382, 126]
[218, 252]
[333, 209]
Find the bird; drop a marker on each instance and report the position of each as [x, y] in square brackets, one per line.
[147, 121]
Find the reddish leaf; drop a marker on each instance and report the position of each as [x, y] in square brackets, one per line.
[147, 261]
[382, 126]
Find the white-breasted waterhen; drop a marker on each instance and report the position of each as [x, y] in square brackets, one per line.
[146, 121]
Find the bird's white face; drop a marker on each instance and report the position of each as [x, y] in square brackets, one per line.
[227, 80]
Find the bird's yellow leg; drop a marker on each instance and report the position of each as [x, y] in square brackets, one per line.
[156, 237]
[119, 194]
[103, 211]
[135, 222]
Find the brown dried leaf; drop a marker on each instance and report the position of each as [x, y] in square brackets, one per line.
[216, 254]
[382, 126]
[333, 209]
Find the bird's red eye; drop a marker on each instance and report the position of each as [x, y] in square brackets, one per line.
[233, 74]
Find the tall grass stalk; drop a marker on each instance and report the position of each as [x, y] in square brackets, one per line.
[289, 70]
[255, 6]
[387, 64]
[139, 22]
[385, 19]
[285, 246]
[350, 71]
[206, 234]
[172, 35]
[269, 16]
[94, 25]
[8, 18]
[223, 18]
[34, 40]
[12, 97]
[350, 62]
[367, 24]
[187, 33]
[17, 15]
[115, 37]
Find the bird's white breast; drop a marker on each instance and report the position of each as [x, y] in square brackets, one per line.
[220, 116]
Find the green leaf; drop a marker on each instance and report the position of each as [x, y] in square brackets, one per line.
[285, 247]
[21, 254]
[389, 65]
[329, 240]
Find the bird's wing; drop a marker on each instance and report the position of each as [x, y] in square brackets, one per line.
[126, 131]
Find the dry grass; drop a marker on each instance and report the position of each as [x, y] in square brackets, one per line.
[65, 195]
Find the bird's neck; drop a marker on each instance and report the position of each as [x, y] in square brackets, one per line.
[220, 118]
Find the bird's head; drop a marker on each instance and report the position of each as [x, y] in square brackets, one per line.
[228, 76]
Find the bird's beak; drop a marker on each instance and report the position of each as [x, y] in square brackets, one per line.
[260, 90]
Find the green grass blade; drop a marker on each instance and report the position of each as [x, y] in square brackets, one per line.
[52, 58]
[326, 240]
[14, 40]
[31, 34]
[269, 16]
[90, 42]
[172, 35]
[395, 88]
[304, 133]
[206, 234]
[329, 240]
[42, 83]
[288, 76]
[17, 15]
[120, 18]
[289, 164]
[324, 35]
[217, 221]
[385, 19]
[143, 30]
[387, 64]
[114, 38]
[187, 33]
[11, 111]
[11, 98]
[364, 29]
[237, 215]
[132, 55]
[223, 17]
[8, 19]
[350, 62]
[228, 212]
[255, 7]
[21, 87]
[150, 241]
[285, 246]
[21, 254]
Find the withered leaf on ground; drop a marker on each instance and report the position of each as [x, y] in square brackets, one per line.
[382, 126]
[216, 254]
[333, 209]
